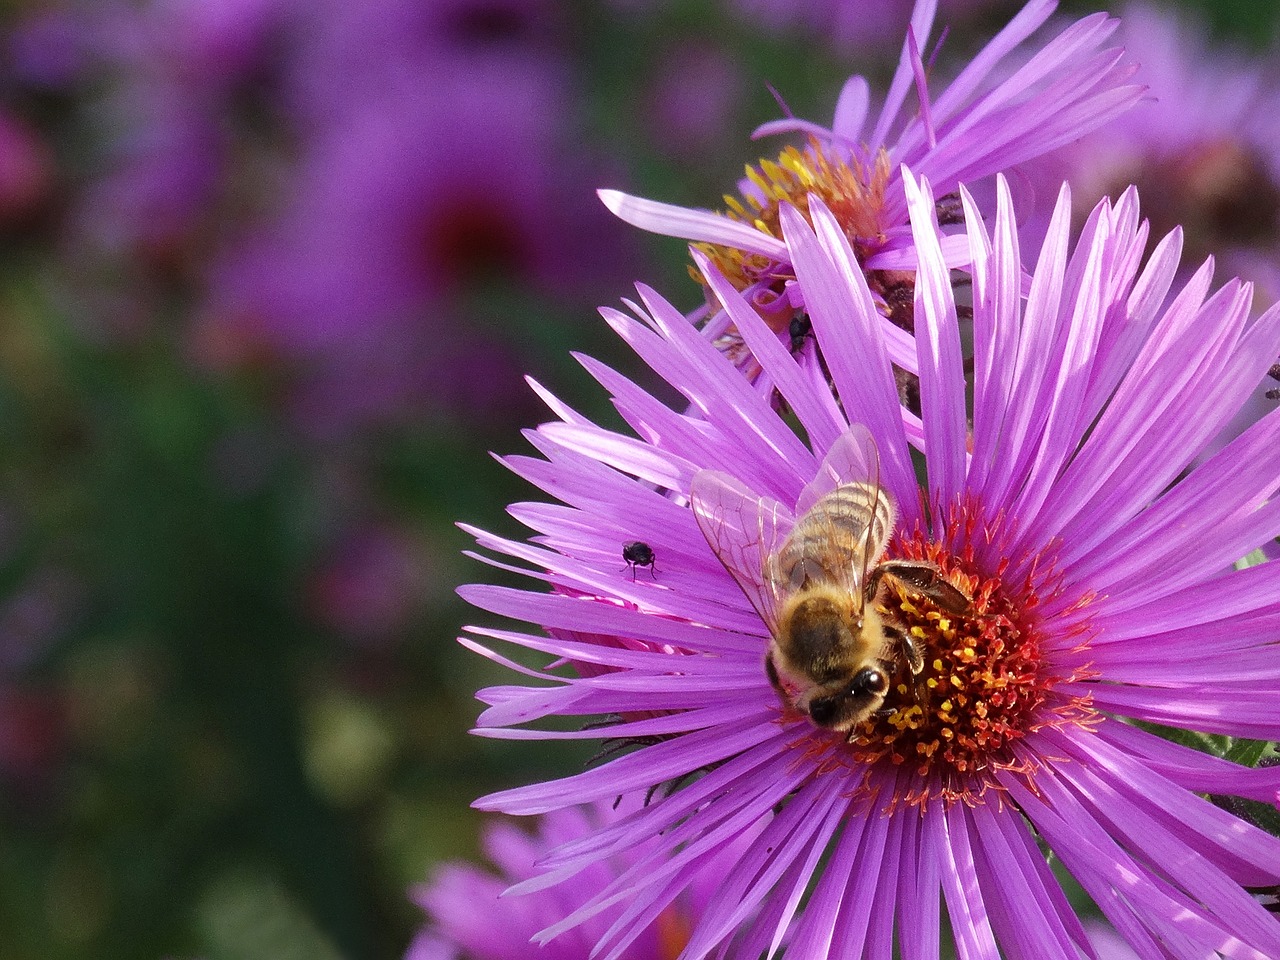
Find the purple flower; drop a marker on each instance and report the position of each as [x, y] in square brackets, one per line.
[1204, 148]
[470, 916]
[366, 278]
[975, 128]
[1059, 496]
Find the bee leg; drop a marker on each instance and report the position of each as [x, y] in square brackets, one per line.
[910, 649]
[922, 577]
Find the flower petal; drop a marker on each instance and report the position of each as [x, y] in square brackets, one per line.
[701, 225]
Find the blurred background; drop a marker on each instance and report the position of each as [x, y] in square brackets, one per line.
[271, 275]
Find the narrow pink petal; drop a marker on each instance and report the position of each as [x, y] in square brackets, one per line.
[1073, 362]
[587, 616]
[676, 856]
[680, 355]
[1219, 840]
[635, 771]
[769, 928]
[884, 909]
[1234, 650]
[942, 384]
[965, 903]
[1142, 427]
[1191, 769]
[848, 327]
[735, 408]
[801, 833]
[700, 718]
[1146, 298]
[815, 931]
[851, 110]
[788, 125]
[860, 886]
[955, 253]
[919, 893]
[1206, 518]
[996, 318]
[921, 25]
[626, 658]
[1131, 818]
[1232, 709]
[556, 405]
[701, 225]
[660, 426]
[1023, 415]
[1234, 593]
[816, 410]
[1125, 339]
[898, 345]
[1026, 914]
[718, 794]
[1015, 134]
[1025, 22]
[922, 91]
[1094, 857]
[1063, 50]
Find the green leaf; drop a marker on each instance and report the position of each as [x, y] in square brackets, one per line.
[1249, 753]
[1251, 560]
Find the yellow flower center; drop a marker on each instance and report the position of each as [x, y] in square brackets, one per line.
[854, 193]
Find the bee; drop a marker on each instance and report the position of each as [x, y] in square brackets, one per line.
[821, 582]
[637, 553]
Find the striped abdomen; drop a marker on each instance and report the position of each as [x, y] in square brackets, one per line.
[842, 534]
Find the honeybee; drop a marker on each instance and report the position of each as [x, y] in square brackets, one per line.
[820, 582]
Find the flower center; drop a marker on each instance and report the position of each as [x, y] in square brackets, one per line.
[984, 686]
[853, 192]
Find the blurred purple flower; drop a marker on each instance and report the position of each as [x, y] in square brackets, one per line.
[47, 49]
[26, 170]
[386, 226]
[1099, 563]
[1204, 148]
[33, 741]
[975, 128]
[693, 98]
[471, 917]
[371, 585]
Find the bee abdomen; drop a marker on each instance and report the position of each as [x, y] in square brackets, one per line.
[850, 524]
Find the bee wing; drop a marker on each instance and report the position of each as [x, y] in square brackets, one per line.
[744, 531]
[853, 458]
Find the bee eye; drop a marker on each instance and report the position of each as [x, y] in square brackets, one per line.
[868, 680]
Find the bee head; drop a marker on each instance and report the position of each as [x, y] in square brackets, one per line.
[857, 699]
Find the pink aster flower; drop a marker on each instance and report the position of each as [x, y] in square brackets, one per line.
[1204, 148]
[473, 913]
[1061, 495]
[973, 129]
